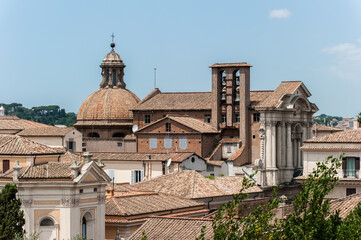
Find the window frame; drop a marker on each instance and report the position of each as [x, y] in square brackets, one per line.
[256, 117]
[146, 118]
[153, 142]
[168, 127]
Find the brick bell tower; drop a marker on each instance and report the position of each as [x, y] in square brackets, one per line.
[231, 102]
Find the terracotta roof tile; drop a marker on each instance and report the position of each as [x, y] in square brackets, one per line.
[195, 124]
[345, 205]
[46, 131]
[274, 99]
[166, 228]
[108, 104]
[323, 128]
[239, 64]
[191, 184]
[177, 101]
[332, 148]
[233, 184]
[256, 97]
[176, 157]
[146, 203]
[347, 136]
[15, 123]
[16, 145]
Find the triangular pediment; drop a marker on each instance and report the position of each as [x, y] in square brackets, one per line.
[91, 172]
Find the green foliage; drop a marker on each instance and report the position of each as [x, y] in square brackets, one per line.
[78, 237]
[210, 177]
[359, 117]
[11, 217]
[325, 119]
[144, 235]
[30, 236]
[51, 115]
[310, 218]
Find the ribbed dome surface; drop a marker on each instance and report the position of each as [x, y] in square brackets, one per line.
[108, 104]
[112, 58]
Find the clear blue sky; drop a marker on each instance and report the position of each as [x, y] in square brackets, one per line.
[50, 51]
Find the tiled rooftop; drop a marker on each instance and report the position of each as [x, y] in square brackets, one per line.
[347, 136]
[176, 157]
[16, 145]
[15, 123]
[145, 203]
[191, 184]
[46, 131]
[345, 205]
[166, 228]
[323, 128]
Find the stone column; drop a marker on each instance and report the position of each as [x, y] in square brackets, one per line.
[280, 144]
[268, 145]
[289, 146]
[309, 130]
[299, 159]
[274, 144]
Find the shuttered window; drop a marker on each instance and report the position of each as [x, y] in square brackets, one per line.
[152, 142]
[137, 176]
[6, 165]
[183, 143]
[350, 167]
[168, 142]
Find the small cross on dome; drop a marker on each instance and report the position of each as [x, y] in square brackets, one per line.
[112, 45]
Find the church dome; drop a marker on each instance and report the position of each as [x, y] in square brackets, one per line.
[108, 104]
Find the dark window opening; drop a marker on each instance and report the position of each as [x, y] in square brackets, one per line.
[350, 191]
[193, 159]
[46, 222]
[207, 118]
[83, 228]
[94, 135]
[254, 136]
[114, 75]
[147, 118]
[81, 190]
[119, 144]
[118, 135]
[256, 117]
[163, 168]
[6, 165]
[71, 146]
[95, 189]
[223, 118]
[237, 118]
[168, 127]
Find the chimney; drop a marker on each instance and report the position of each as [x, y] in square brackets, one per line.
[101, 164]
[17, 168]
[87, 157]
[75, 169]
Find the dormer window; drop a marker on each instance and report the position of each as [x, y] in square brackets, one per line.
[147, 118]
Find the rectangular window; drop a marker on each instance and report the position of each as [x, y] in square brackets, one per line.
[256, 117]
[237, 118]
[6, 165]
[168, 142]
[152, 142]
[229, 148]
[168, 127]
[183, 143]
[223, 118]
[350, 167]
[137, 176]
[210, 168]
[147, 118]
[71, 146]
[119, 144]
[350, 191]
[207, 118]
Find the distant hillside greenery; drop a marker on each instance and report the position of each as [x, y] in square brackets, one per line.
[326, 119]
[51, 115]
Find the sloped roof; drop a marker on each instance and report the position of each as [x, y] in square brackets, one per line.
[145, 203]
[43, 171]
[176, 157]
[256, 97]
[15, 123]
[177, 101]
[347, 136]
[46, 131]
[323, 128]
[190, 184]
[167, 228]
[274, 99]
[233, 184]
[345, 205]
[17, 145]
[189, 122]
[69, 157]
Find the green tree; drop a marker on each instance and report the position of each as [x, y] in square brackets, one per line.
[310, 218]
[11, 217]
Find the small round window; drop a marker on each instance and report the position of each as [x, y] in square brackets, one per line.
[193, 159]
[46, 222]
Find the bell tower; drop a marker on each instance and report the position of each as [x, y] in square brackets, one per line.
[112, 70]
[231, 102]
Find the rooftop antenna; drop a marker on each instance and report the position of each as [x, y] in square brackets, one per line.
[155, 78]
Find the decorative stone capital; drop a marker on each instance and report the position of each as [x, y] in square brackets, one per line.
[70, 202]
[274, 123]
[101, 198]
[27, 202]
[289, 124]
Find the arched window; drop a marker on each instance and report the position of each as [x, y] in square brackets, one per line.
[46, 222]
[93, 135]
[83, 227]
[118, 135]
